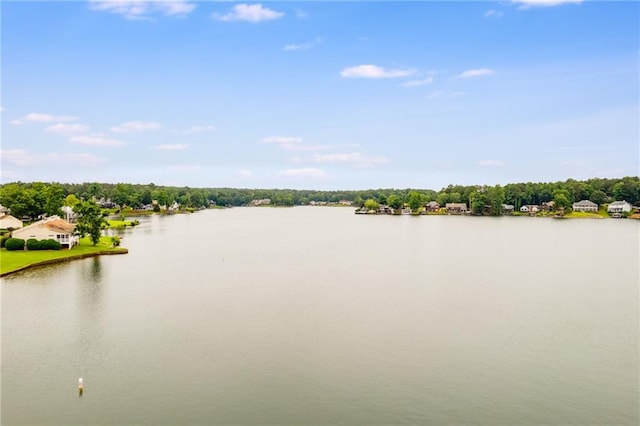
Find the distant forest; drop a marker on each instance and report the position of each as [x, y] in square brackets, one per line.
[36, 198]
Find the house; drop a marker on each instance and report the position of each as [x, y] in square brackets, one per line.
[262, 202]
[53, 228]
[585, 206]
[530, 208]
[106, 203]
[69, 215]
[507, 209]
[9, 222]
[619, 207]
[383, 209]
[548, 206]
[5, 210]
[456, 208]
[432, 206]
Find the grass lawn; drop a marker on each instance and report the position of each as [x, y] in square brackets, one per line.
[587, 215]
[12, 260]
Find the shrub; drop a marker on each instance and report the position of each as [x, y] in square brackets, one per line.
[14, 244]
[51, 245]
[33, 244]
[4, 239]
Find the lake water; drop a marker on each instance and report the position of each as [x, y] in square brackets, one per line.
[313, 315]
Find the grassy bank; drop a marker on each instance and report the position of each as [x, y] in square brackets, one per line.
[587, 215]
[116, 223]
[13, 261]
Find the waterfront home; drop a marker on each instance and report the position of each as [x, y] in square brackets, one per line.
[530, 208]
[585, 206]
[262, 202]
[383, 209]
[9, 222]
[456, 208]
[619, 207]
[51, 228]
[507, 209]
[432, 206]
[548, 206]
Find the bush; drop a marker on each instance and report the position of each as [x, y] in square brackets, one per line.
[33, 244]
[14, 244]
[4, 239]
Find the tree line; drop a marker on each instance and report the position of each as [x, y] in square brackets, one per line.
[32, 199]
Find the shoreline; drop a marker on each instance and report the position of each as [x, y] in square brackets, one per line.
[121, 250]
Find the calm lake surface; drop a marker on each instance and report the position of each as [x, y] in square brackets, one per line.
[313, 315]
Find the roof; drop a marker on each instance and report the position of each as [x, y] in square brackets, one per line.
[454, 205]
[619, 203]
[585, 203]
[53, 223]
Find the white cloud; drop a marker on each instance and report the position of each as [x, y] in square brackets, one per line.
[310, 171]
[199, 129]
[525, 4]
[415, 83]
[445, 94]
[249, 13]
[304, 46]
[354, 158]
[135, 126]
[2, 109]
[491, 163]
[141, 10]
[97, 139]
[20, 157]
[478, 72]
[244, 173]
[374, 71]
[172, 147]
[65, 129]
[282, 139]
[304, 147]
[301, 14]
[493, 14]
[36, 117]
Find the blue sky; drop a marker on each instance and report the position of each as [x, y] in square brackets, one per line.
[319, 95]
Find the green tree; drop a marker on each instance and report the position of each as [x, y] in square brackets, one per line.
[415, 200]
[90, 220]
[54, 199]
[71, 200]
[394, 201]
[371, 204]
[562, 199]
[495, 198]
[598, 197]
[477, 199]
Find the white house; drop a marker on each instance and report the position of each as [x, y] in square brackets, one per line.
[69, 214]
[585, 206]
[530, 209]
[9, 222]
[53, 228]
[619, 207]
